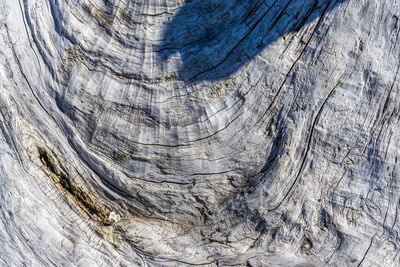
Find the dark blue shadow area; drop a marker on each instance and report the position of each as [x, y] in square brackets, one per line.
[215, 38]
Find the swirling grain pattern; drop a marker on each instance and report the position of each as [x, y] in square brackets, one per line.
[215, 133]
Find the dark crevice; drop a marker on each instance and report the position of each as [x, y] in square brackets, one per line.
[76, 194]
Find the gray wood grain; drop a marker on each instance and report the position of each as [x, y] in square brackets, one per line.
[217, 133]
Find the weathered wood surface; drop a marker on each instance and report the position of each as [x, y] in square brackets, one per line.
[215, 132]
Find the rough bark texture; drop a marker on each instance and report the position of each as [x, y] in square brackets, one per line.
[203, 132]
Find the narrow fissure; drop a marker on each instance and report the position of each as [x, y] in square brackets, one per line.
[76, 194]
